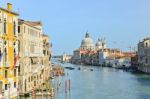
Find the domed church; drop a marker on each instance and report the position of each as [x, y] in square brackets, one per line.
[87, 43]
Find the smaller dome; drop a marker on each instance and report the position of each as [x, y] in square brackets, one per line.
[99, 42]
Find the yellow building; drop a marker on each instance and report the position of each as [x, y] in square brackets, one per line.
[8, 52]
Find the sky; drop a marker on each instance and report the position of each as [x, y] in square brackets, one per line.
[122, 22]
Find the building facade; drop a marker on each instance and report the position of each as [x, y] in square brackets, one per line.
[31, 56]
[47, 56]
[144, 55]
[8, 52]
[65, 58]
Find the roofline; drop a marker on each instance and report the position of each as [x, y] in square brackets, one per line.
[44, 35]
[25, 22]
[9, 11]
[31, 25]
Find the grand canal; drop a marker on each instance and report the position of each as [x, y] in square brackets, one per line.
[101, 83]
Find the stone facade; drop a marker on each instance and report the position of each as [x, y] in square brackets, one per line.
[47, 56]
[65, 58]
[32, 59]
[144, 55]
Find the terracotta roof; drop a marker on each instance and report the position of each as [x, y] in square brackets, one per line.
[32, 23]
[9, 11]
[36, 23]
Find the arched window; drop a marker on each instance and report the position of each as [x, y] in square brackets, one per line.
[5, 43]
[0, 22]
[5, 25]
[14, 54]
[5, 54]
[146, 44]
[146, 60]
[18, 46]
[0, 55]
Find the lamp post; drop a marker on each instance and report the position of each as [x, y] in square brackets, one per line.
[9, 90]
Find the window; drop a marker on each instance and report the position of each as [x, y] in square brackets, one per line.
[5, 25]
[146, 44]
[6, 74]
[18, 46]
[146, 60]
[0, 55]
[18, 29]
[19, 70]
[14, 84]
[14, 28]
[34, 83]
[44, 52]
[29, 79]
[5, 55]
[0, 23]
[24, 29]
[47, 52]
[14, 55]
[5, 42]
[6, 86]
[15, 73]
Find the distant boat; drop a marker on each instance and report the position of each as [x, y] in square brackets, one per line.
[70, 68]
[79, 68]
[91, 69]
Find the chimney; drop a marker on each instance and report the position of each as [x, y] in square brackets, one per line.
[9, 6]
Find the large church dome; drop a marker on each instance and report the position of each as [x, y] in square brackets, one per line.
[87, 42]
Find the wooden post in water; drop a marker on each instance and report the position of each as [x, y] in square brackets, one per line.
[66, 86]
[69, 84]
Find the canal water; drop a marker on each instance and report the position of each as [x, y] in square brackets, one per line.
[93, 82]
